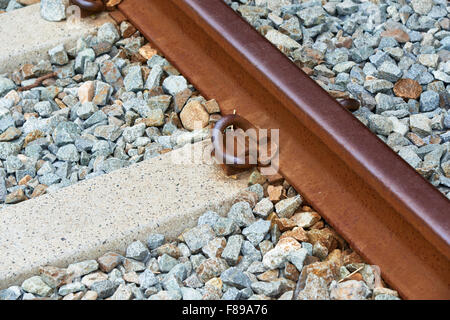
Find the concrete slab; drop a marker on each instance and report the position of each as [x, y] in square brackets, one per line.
[26, 38]
[108, 212]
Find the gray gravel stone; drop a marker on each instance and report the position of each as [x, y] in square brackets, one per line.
[270, 289]
[429, 101]
[380, 124]
[384, 103]
[137, 250]
[130, 134]
[386, 297]
[191, 294]
[256, 267]
[6, 85]
[7, 149]
[422, 6]
[49, 179]
[420, 124]
[193, 281]
[133, 80]
[235, 277]
[225, 226]
[387, 42]
[232, 249]
[286, 208]
[179, 271]
[256, 232]
[241, 214]
[379, 58]
[12, 293]
[410, 156]
[346, 7]
[166, 263]
[104, 289]
[108, 33]
[166, 295]
[65, 132]
[292, 28]
[248, 249]
[344, 66]
[209, 217]
[28, 296]
[147, 279]
[86, 110]
[155, 240]
[154, 78]
[312, 16]
[198, 237]
[54, 10]
[263, 208]
[13, 5]
[83, 267]
[378, 85]
[297, 257]
[90, 71]
[108, 132]
[35, 285]
[68, 152]
[174, 84]
[171, 283]
[231, 294]
[71, 288]
[58, 55]
[43, 108]
[389, 71]
[81, 59]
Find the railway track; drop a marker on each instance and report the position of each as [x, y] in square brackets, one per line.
[385, 210]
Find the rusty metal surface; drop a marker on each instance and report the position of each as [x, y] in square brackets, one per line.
[242, 149]
[89, 7]
[386, 211]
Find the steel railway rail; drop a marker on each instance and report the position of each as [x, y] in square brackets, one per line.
[384, 209]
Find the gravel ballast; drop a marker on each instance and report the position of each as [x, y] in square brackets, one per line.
[392, 56]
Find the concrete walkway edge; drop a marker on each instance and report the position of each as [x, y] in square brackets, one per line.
[27, 38]
[92, 217]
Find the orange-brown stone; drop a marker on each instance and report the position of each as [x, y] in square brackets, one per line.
[352, 257]
[147, 51]
[291, 272]
[415, 139]
[269, 275]
[398, 34]
[39, 190]
[325, 236]
[25, 180]
[407, 88]
[275, 193]
[327, 270]
[285, 224]
[297, 233]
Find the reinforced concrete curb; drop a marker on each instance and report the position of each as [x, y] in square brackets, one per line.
[26, 38]
[107, 213]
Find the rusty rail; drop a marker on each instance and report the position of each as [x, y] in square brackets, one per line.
[386, 211]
